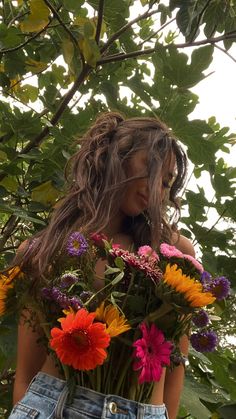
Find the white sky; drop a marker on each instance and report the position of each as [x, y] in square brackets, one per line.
[217, 95]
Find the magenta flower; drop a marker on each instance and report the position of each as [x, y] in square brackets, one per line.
[219, 287]
[116, 246]
[148, 253]
[76, 244]
[204, 341]
[170, 251]
[195, 263]
[98, 239]
[152, 352]
[201, 319]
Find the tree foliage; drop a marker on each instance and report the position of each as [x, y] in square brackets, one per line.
[64, 61]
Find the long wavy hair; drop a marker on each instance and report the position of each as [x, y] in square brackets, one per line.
[96, 181]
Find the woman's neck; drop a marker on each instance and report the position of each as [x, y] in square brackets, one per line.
[114, 226]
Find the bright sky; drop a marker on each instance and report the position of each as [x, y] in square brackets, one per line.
[217, 94]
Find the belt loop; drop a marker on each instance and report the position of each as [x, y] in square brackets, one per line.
[104, 409]
[140, 411]
[61, 403]
[31, 382]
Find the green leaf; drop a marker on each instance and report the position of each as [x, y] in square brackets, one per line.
[191, 395]
[73, 5]
[201, 58]
[120, 263]
[45, 193]
[3, 155]
[10, 183]
[110, 270]
[27, 93]
[90, 51]
[118, 278]
[68, 50]
[222, 185]
[38, 17]
[228, 411]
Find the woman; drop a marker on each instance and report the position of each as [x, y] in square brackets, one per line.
[121, 181]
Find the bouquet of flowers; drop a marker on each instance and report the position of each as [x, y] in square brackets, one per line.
[115, 334]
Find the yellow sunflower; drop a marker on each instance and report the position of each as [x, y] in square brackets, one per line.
[6, 283]
[191, 290]
[116, 323]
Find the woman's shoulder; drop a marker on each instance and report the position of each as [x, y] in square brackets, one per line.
[183, 244]
[23, 246]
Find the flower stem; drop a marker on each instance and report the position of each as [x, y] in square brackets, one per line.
[122, 375]
[160, 312]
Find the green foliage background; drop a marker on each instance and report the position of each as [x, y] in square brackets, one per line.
[63, 62]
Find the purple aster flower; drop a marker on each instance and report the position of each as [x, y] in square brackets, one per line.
[75, 303]
[47, 293]
[205, 277]
[55, 294]
[62, 299]
[85, 295]
[201, 319]
[77, 244]
[204, 341]
[179, 359]
[220, 287]
[67, 280]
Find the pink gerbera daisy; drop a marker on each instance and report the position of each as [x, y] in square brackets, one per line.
[148, 253]
[170, 251]
[152, 352]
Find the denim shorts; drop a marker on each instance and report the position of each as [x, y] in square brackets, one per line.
[46, 399]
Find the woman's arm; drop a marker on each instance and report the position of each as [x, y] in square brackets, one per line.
[31, 355]
[175, 379]
[174, 383]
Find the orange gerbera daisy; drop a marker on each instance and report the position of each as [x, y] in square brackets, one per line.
[116, 323]
[191, 290]
[6, 282]
[80, 342]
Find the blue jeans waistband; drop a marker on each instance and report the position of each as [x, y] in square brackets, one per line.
[56, 389]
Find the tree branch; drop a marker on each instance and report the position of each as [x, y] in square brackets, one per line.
[148, 51]
[125, 27]
[57, 16]
[4, 51]
[18, 100]
[99, 23]
[158, 30]
[199, 18]
[37, 140]
[225, 52]
[8, 229]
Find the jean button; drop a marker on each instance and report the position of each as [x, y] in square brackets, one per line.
[112, 407]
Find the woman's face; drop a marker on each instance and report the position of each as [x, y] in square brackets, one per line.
[136, 196]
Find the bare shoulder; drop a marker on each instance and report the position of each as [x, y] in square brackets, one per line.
[23, 246]
[183, 244]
